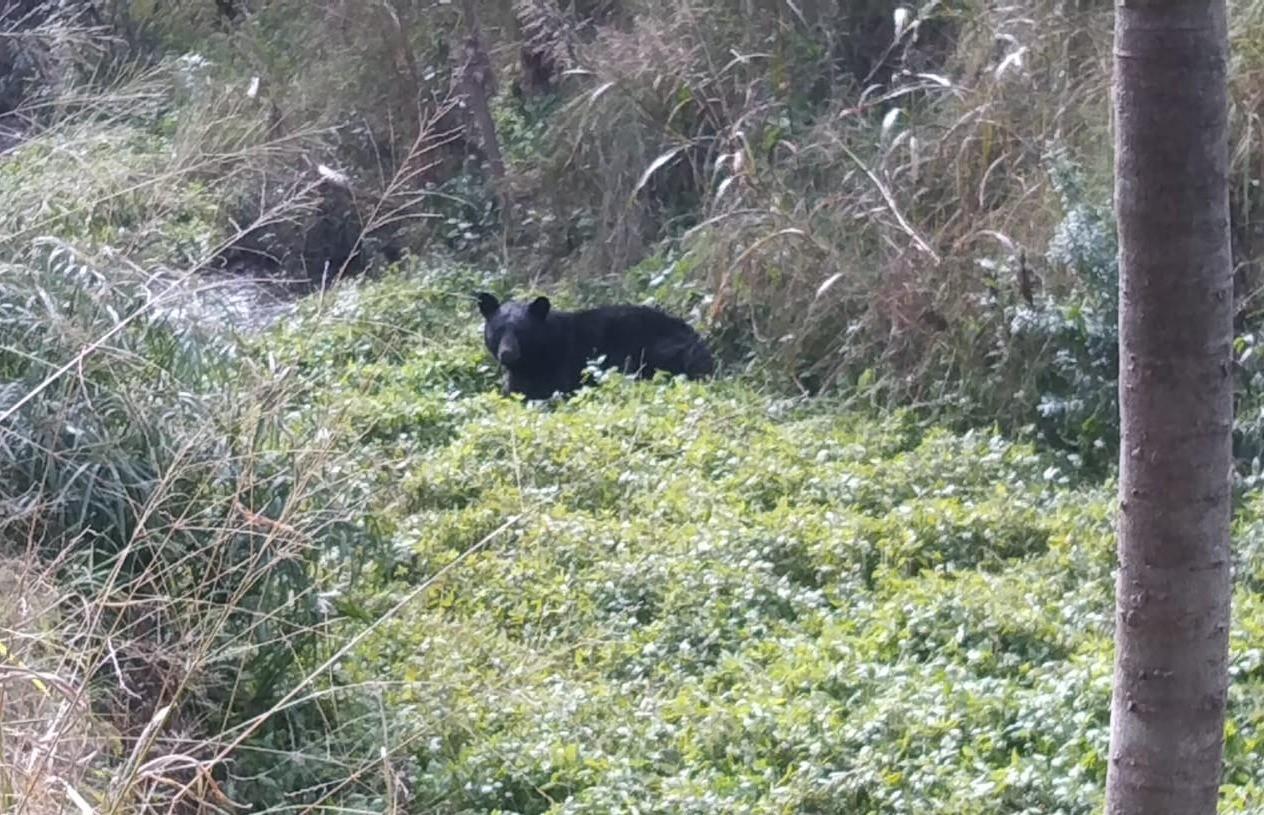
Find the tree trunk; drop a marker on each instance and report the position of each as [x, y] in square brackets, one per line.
[1175, 396]
[478, 85]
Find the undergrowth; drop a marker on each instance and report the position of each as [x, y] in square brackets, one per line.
[310, 558]
[697, 598]
[329, 565]
[886, 203]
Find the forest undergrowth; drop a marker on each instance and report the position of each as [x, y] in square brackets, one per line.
[298, 554]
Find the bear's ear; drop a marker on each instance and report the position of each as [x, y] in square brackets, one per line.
[539, 308]
[487, 303]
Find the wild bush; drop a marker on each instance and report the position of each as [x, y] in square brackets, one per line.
[858, 203]
[168, 537]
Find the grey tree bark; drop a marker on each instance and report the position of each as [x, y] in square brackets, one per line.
[1175, 397]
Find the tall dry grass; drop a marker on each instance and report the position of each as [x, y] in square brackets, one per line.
[838, 218]
[174, 545]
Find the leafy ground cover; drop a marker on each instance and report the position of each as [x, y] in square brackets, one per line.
[689, 597]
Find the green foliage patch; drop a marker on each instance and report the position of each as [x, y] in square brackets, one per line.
[689, 597]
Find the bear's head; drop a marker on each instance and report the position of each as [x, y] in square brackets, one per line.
[516, 333]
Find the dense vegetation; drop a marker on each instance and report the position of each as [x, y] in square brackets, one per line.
[299, 553]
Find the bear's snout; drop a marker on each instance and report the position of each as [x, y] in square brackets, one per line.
[508, 352]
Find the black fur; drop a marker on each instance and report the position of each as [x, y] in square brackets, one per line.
[544, 350]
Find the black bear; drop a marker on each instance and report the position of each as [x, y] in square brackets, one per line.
[544, 350]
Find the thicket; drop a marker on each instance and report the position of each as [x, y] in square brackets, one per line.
[305, 557]
[909, 205]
